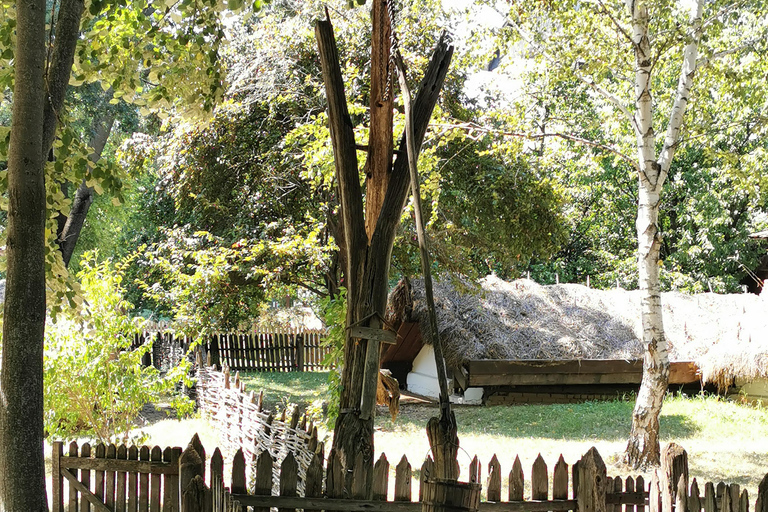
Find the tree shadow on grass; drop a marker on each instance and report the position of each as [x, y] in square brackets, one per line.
[608, 421]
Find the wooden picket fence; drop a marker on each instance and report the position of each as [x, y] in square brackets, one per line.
[268, 351]
[261, 350]
[153, 480]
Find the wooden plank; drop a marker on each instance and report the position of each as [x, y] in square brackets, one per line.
[610, 506]
[57, 481]
[238, 473]
[120, 488]
[552, 379]
[544, 366]
[744, 501]
[539, 480]
[289, 476]
[171, 481]
[156, 455]
[85, 493]
[640, 487]
[494, 480]
[427, 469]
[403, 480]
[101, 452]
[313, 488]
[654, 494]
[368, 333]
[144, 481]
[516, 481]
[157, 467]
[735, 491]
[629, 487]
[363, 469]
[618, 487]
[133, 482]
[85, 477]
[380, 479]
[694, 500]
[109, 479]
[560, 480]
[263, 481]
[475, 470]
[710, 498]
[344, 505]
[72, 488]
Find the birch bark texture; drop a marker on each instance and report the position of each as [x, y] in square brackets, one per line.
[22, 487]
[643, 445]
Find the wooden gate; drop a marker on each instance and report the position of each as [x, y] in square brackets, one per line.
[115, 478]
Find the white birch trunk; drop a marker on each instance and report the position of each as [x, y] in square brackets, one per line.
[643, 445]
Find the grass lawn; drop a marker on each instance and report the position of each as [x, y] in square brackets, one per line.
[725, 440]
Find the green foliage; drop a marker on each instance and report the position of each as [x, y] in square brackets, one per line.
[334, 315]
[95, 385]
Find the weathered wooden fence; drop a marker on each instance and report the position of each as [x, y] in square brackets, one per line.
[242, 422]
[263, 351]
[114, 478]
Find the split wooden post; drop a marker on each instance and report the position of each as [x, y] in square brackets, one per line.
[592, 478]
[674, 465]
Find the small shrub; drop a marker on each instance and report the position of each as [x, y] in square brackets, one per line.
[95, 385]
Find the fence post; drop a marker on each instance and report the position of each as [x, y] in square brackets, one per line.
[192, 489]
[592, 479]
[761, 505]
[299, 352]
[674, 465]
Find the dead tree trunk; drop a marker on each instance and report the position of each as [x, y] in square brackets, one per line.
[367, 262]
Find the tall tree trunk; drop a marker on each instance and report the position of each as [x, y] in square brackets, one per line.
[22, 486]
[643, 445]
[367, 263]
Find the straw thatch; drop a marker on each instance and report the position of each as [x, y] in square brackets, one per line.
[726, 335]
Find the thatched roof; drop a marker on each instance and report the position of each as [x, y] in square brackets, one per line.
[726, 335]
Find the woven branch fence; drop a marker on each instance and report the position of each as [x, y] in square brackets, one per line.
[242, 423]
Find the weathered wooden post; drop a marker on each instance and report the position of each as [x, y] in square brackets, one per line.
[299, 352]
[761, 505]
[674, 466]
[195, 495]
[591, 486]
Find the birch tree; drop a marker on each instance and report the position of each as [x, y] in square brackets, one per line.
[632, 66]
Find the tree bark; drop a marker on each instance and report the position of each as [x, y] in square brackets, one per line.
[367, 264]
[22, 487]
[643, 445]
[70, 232]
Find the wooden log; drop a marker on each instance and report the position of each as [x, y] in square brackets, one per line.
[133, 482]
[57, 481]
[674, 464]
[120, 488]
[380, 479]
[694, 499]
[681, 494]
[85, 476]
[591, 494]
[73, 449]
[143, 480]
[516, 481]
[493, 492]
[710, 498]
[560, 480]
[540, 479]
[263, 482]
[403, 480]
[109, 479]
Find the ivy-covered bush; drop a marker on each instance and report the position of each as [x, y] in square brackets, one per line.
[95, 384]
